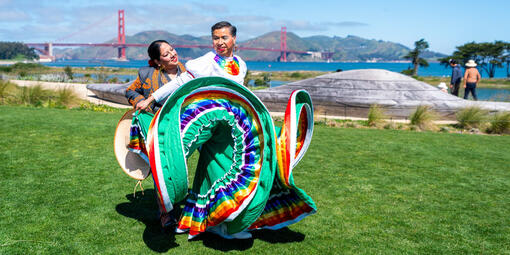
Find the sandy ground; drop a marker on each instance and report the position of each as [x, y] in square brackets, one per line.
[79, 88]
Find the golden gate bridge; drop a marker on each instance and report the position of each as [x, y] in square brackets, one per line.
[46, 49]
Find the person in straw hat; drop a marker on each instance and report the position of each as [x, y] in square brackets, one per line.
[471, 78]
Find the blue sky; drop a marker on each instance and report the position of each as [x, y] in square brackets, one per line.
[444, 24]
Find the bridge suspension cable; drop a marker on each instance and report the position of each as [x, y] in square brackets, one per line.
[88, 27]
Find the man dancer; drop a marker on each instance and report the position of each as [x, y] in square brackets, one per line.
[222, 63]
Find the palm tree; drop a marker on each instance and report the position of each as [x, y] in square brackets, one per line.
[414, 55]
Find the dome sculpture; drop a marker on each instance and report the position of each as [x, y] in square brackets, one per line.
[350, 94]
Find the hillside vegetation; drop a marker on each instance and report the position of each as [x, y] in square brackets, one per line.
[350, 48]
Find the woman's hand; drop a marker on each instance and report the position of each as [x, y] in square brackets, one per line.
[144, 104]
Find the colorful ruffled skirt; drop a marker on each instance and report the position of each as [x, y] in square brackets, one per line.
[244, 173]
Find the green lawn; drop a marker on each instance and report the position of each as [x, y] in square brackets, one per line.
[377, 192]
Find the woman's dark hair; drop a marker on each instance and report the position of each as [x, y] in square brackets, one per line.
[154, 52]
[222, 24]
[153, 49]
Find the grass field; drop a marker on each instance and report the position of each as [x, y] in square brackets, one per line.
[377, 192]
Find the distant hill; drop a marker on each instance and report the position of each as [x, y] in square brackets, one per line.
[350, 48]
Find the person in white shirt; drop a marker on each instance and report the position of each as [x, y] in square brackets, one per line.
[222, 62]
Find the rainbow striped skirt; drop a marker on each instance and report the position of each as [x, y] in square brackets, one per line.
[244, 174]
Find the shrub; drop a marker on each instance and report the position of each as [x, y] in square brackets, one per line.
[407, 72]
[471, 117]
[69, 72]
[260, 82]
[102, 75]
[247, 78]
[4, 86]
[351, 124]
[393, 125]
[65, 97]
[267, 78]
[500, 123]
[113, 80]
[295, 75]
[375, 115]
[34, 95]
[444, 129]
[423, 117]
[6, 69]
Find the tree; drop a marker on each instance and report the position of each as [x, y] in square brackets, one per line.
[247, 78]
[12, 50]
[414, 55]
[487, 55]
[491, 56]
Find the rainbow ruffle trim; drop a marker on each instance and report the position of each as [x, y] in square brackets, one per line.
[244, 173]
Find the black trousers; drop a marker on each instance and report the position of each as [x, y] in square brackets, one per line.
[455, 89]
[470, 87]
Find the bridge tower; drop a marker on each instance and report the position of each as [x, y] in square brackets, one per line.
[121, 38]
[283, 44]
[49, 49]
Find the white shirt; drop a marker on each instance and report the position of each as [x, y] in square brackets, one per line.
[204, 66]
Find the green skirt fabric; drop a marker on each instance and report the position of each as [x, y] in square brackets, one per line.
[244, 174]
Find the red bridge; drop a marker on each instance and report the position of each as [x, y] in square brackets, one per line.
[46, 49]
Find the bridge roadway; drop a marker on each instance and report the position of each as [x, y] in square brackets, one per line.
[143, 45]
[46, 48]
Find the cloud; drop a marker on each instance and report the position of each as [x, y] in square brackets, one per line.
[9, 16]
[217, 8]
[248, 19]
[346, 24]
[96, 21]
[176, 19]
[5, 2]
[48, 15]
[302, 25]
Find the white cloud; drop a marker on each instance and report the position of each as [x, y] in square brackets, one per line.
[248, 18]
[346, 24]
[301, 25]
[97, 21]
[216, 8]
[10, 16]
